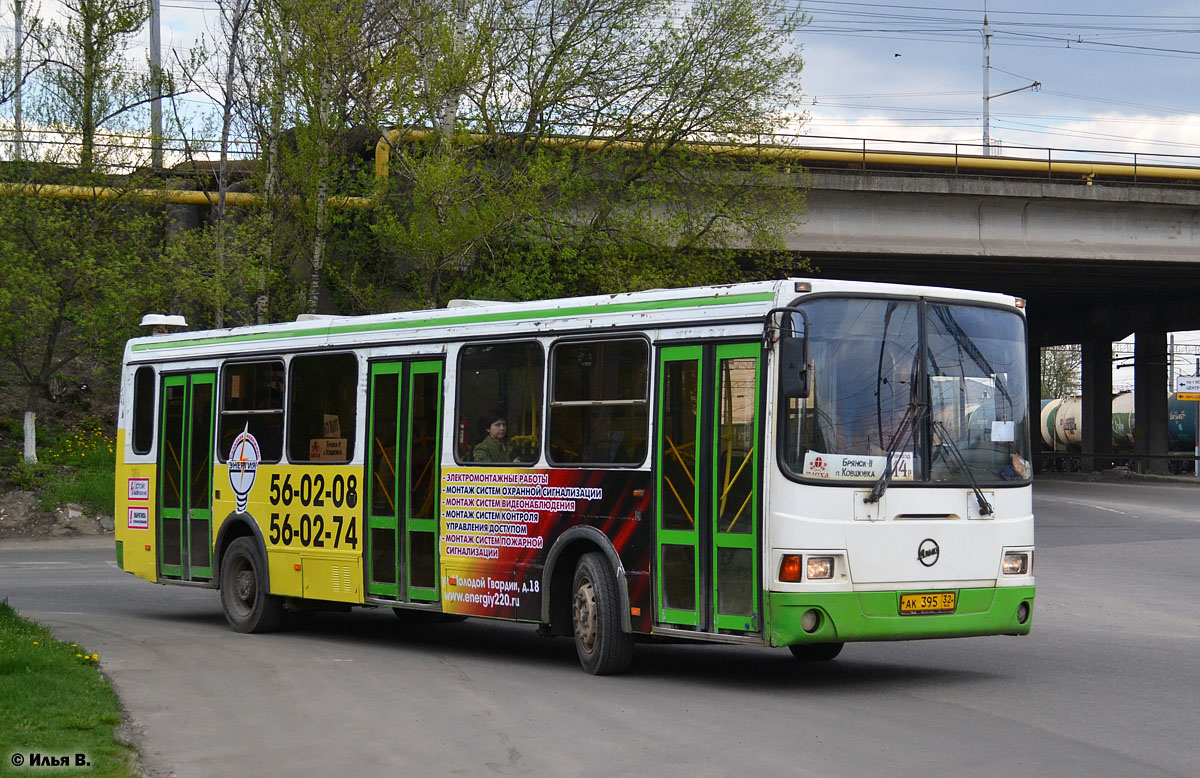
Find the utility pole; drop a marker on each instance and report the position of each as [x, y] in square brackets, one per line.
[18, 78]
[987, 67]
[156, 128]
[987, 96]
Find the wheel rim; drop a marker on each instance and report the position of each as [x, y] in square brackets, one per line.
[584, 611]
[244, 586]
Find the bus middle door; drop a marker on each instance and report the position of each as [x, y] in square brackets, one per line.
[403, 477]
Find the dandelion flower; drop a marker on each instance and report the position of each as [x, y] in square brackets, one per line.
[35, 642]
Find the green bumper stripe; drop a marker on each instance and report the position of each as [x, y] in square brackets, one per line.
[851, 616]
[121, 554]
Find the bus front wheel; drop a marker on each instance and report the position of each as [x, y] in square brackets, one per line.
[596, 618]
[244, 597]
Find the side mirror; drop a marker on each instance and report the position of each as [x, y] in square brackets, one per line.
[793, 367]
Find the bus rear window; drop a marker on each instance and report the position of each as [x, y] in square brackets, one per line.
[252, 401]
[143, 410]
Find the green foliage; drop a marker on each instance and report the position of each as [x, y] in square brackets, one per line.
[53, 699]
[80, 468]
[74, 278]
[565, 147]
[1060, 371]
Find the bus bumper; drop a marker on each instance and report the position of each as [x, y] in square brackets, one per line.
[858, 616]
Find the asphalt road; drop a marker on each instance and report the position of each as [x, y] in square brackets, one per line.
[1108, 684]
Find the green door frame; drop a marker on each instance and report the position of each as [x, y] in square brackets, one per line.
[383, 583]
[408, 530]
[714, 534]
[725, 477]
[682, 496]
[193, 467]
[421, 531]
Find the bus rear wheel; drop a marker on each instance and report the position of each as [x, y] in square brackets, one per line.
[816, 652]
[596, 618]
[244, 597]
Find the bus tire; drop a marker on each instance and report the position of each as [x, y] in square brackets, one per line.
[602, 646]
[816, 652]
[244, 597]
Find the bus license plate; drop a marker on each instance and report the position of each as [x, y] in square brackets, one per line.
[924, 603]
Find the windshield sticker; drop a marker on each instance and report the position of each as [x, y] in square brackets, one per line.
[1003, 431]
[851, 467]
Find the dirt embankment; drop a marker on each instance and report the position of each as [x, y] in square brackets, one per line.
[22, 516]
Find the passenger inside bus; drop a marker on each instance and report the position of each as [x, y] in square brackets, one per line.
[494, 447]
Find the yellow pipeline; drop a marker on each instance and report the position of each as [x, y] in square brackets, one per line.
[172, 196]
[383, 150]
[803, 155]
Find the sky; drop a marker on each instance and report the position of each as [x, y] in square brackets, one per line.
[1114, 76]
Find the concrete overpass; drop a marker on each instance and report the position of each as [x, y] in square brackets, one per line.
[1097, 257]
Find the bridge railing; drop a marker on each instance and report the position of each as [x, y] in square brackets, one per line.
[942, 157]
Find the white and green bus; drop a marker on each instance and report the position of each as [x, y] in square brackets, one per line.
[799, 463]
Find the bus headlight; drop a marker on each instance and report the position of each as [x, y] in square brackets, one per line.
[820, 567]
[1015, 563]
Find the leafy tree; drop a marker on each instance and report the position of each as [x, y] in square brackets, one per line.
[653, 188]
[1060, 371]
[74, 277]
[76, 274]
[89, 85]
[320, 77]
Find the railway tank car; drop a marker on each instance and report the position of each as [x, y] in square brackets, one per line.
[1062, 424]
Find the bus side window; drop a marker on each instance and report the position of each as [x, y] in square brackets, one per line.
[500, 382]
[321, 408]
[143, 410]
[252, 400]
[599, 402]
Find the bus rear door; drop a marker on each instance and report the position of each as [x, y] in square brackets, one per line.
[185, 467]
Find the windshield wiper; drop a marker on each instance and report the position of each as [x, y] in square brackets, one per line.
[985, 507]
[885, 478]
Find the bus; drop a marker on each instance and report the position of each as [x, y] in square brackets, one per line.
[798, 463]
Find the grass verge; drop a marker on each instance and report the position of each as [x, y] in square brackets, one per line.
[55, 703]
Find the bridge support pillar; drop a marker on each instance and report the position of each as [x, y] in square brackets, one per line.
[1150, 400]
[1096, 380]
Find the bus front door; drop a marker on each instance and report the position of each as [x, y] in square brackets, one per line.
[403, 477]
[185, 467]
[707, 485]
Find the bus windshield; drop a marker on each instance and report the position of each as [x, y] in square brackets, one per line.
[941, 386]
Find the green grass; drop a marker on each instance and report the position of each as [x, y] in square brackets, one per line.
[78, 467]
[54, 701]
